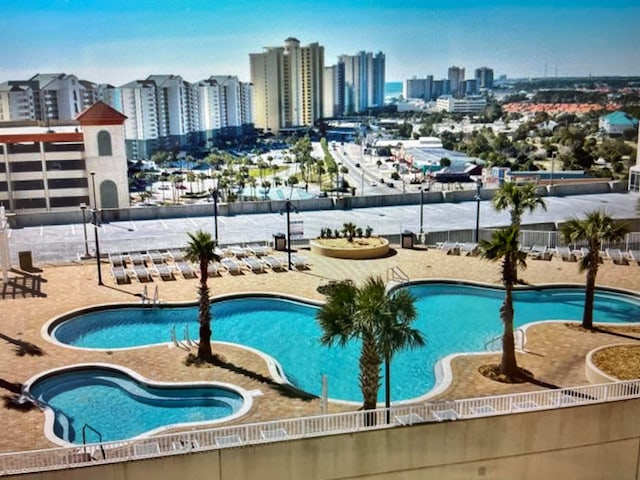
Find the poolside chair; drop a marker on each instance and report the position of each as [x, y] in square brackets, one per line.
[213, 269]
[540, 252]
[237, 251]
[273, 433]
[615, 254]
[136, 258]
[258, 250]
[141, 273]
[231, 266]
[116, 260]
[634, 256]
[273, 263]
[254, 264]
[120, 275]
[176, 255]
[408, 419]
[155, 256]
[185, 269]
[451, 248]
[469, 248]
[299, 262]
[163, 271]
[565, 254]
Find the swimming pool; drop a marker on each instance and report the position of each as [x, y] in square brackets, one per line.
[454, 317]
[119, 404]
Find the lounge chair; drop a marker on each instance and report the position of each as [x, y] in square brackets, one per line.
[116, 260]
[163, 271]
[273, 263]
[237, 251]
[408, 419]
[155, 256]
[254, 264]
[141, 273]
[565, 254]
[213, 269]
[120, 275]
[299, 262]
[259, 250]
[634, 256]
[451, 248]
[136, 258]
[177, 255]
[185, 269]
[469, 248]
[231, 265]
[273, 433]
[616, 255]
[540, 252]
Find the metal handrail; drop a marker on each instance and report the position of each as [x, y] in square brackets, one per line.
[84, 438]
[519, 340]
[321, 425]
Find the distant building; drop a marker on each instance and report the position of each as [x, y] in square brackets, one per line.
[634, 171]
[419, 88]
[484, 78]
[358, 83]
[47, 167]
[450, 104]
[616, 123]
[456, 77]
[287, 85]
[52, 96]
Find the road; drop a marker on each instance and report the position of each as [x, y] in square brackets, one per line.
[61, 243]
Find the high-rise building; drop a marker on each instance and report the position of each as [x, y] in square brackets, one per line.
[358, 83]
[287, 85]
[421, 88]
[456, 77]
[484, 77]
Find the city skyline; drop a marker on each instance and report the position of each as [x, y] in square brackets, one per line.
[117, 42]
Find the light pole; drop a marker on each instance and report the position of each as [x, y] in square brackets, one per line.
[287, 208]
[94, 213]
[83, 208]
[214, 194]
[478, 187]
[553, 162]
[422, 190]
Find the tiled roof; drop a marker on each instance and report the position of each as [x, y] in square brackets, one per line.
[100, 114]
[621, 118]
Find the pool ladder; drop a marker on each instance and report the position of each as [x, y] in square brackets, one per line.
[144, 297]
[84, 441]
[187, 343]
[518, 337]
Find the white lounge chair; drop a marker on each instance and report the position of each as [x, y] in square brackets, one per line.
[136, 258]
[299, 262]
[469, 248]
[451, 248]
[565, 254]
[254, 264]
[616, 255]
[273, 263]
[185, 269]
[540, 252]
[634, 256]
[120, 275]
[231, 265]
[163, 271]
[141, 273]
[259, 250]
[116, 260]
[213, 269]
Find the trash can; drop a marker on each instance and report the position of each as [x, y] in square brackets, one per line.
[26, 261]
[279, 242]
[407, 239]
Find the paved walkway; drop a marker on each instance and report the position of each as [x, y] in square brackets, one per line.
[555, 352]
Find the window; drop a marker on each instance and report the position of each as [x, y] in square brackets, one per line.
[104, 144]
[55, 183]
[35, 166]
[18, 185]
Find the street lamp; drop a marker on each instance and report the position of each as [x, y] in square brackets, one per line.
[287, 208]
[422, 190]
[214, 194]
[478, 187]
[83, 208]
[553, 162]
[94, 213]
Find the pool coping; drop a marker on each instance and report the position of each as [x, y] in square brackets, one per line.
[443, 371]
[247, 399]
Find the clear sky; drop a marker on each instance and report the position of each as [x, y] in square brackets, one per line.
[116, 41]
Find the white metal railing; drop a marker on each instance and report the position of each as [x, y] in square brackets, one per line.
[495, 344]
[396, 274]
[307, 427]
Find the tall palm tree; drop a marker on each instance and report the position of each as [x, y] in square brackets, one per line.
[517, 199]
[201, 250]
[504, 246]
[594, 228]
[392, 314]
[380, 319]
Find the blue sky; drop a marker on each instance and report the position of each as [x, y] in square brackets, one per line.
[118, 41]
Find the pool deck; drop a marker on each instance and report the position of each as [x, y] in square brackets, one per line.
[555, 352]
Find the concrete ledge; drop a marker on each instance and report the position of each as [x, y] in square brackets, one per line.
[594, 374]
[357, 253]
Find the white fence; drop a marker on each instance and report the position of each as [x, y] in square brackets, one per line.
[307, 427]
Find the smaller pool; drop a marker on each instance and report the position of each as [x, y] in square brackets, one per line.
[120, 404]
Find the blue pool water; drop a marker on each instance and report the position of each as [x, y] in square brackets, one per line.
[454, 318]
[119, 407]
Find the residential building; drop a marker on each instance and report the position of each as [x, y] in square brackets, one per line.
[287, 85]
[450, 104]
[363, 84]
[455, 77]
[484, 78]
[616, 123]
[48, 166]
[634, 171]
[419, 88]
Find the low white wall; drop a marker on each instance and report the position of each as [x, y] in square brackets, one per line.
[587, 442]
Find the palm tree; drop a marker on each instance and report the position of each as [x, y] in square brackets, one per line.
[504, 246]
[201, 250]
[349, 230]
[596, 227]
[380, 319]
[392, 314]
[517, 199]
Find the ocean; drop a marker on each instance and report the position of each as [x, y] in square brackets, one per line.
[392, 89]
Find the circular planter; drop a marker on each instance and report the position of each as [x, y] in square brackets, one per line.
[359, 249]
[593, 373]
